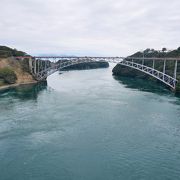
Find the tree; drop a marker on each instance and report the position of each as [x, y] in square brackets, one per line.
[8, 75]
[164, 49]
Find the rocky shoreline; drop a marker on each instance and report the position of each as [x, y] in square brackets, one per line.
[5, 87]
[14, 72]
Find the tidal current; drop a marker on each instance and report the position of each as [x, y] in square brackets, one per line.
[89, 125]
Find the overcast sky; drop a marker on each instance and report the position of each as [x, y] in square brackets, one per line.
[89, 27]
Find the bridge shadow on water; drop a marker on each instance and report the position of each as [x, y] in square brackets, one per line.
[145, 85]
[24, 92]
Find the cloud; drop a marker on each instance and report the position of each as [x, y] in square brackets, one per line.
[83, 27]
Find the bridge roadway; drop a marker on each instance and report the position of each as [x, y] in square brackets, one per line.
[55, 63]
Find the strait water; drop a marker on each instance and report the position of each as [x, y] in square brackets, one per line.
[89, 125]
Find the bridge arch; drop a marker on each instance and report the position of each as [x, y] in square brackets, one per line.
[58, 63]
[61, 65]
[151, 71]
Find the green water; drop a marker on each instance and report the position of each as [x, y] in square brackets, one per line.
[89, 125]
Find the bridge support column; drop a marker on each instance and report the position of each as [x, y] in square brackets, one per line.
[31, 65]
[153, 66]
[35, 67]
[143, 61]
[40, 62]
[175, 70]
[153, 63]
[45, 64]
[38, 66]
[164, 68]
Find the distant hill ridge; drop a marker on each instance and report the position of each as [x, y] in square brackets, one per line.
[8, 52]
[156, 53]
[120, 70]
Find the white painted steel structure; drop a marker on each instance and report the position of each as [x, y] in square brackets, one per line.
[58, 63]
[162, 76]
[55, 63]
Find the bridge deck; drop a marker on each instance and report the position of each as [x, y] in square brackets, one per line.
[55, 64]
[100, 57]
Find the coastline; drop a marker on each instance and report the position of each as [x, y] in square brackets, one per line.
[5, 87]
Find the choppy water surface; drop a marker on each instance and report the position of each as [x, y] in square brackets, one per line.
[89, 125]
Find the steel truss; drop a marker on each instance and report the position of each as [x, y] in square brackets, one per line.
[58, 63]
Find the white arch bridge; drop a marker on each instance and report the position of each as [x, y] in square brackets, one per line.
[42, 67]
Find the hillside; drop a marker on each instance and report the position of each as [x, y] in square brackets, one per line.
[156, 53]
[120, 70]
[14, 71]
[9, 52]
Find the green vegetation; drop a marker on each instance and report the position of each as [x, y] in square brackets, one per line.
[8, 52]
[7, 76]
[127, 71]
[159, 64]
[89, 65]
[155, 53]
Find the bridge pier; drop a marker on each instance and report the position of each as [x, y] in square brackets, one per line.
[153, 63]
[143, 60]
[164, 68]
[175, 70]
[31, 65]
[153, 66]
[35, 67]
[142, 63]
[38, 66]
[45, 64]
